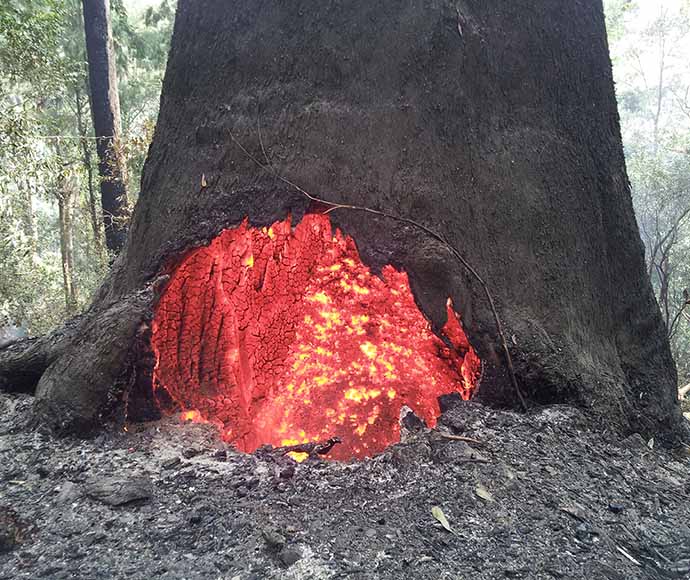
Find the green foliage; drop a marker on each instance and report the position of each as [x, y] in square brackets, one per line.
[43, 154]
[141, 79]
[616, 11]
[30, 32]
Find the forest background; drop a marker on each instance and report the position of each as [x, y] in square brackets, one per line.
[52, 250]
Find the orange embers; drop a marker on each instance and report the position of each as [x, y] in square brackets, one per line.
[283, 336]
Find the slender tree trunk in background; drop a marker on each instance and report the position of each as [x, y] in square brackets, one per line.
[88, 166]
[65, 197]
[105, 109]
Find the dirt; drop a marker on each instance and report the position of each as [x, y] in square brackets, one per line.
[536, 496]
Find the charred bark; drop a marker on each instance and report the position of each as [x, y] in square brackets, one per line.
[88, 383]
[105, 109]
[492, 124]
[79, 379]
[22, 363]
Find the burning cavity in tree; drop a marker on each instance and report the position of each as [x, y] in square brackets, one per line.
[282, 335]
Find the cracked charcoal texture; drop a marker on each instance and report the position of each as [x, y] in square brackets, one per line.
[504, 138]
[282, 336]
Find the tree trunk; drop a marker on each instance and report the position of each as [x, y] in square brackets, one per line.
[65, 197]
[105, 109]
[492, 125]
[88, 166]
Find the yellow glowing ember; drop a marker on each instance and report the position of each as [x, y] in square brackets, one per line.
[368, 349]
[191, 416]
[320, 297]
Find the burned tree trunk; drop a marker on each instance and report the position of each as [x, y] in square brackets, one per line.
[105, 109]
[491, 125]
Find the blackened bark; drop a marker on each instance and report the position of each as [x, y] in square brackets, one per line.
[492, 123]
[105, 108]
[100, 376]
[23, 363]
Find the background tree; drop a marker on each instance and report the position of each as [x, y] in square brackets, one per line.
[105, 110]
[650, 44]
[46, 136]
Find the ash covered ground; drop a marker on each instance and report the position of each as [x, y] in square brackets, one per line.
[540, 496]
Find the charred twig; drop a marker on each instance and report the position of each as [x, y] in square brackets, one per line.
[312, 448]
[431, 233]
[686, 302]
[261, 141]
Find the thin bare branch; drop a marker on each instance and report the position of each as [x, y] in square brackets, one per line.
[673, 326]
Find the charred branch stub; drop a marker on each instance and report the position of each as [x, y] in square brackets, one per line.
[303, 451]
[284, 337]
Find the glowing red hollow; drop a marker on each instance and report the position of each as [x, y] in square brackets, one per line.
[283, 336]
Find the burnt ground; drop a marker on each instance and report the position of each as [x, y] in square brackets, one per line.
[540, 496]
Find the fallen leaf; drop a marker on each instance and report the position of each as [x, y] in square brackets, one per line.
[574, 510]
[484, 493]
[437, 512]
[650, 443]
